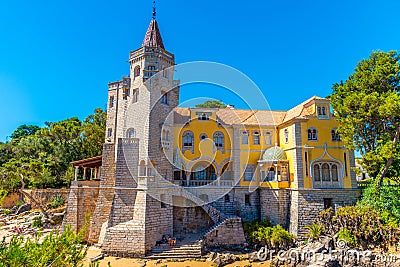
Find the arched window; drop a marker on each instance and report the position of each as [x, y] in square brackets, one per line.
[325, 172]
[187, 141]
[142, 168]
[286, 135]
[312, 134]
[219, 140]
[323, 111]
[130, 133]
[335, 174]
[319, 111]
[268, 138]
[335, 135]
[137, 71]
[317, 175]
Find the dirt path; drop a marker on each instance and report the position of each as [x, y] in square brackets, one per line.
[124, 262]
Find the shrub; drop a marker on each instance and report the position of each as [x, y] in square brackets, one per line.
[348, 237]
[19, 203]
[315, 231]
[37, 222]
[56, 250]
[364, 223]
[56, 202]
[6, 211]
[263, 233]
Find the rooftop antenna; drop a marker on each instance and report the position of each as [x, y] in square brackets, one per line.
[154, 9]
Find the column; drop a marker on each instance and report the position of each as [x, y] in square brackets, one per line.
[76, 173]
[84, 173]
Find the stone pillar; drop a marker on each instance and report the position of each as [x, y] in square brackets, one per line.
[76, 173]
[84, 173]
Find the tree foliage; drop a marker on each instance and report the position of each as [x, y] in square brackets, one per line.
[212, 104]
[43, 155]
[367, 106]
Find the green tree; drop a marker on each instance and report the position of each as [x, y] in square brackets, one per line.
[24, 130]
[367, 106]
[212, 104]
[93, 131]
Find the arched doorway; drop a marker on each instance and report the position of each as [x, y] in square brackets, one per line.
[202, 173]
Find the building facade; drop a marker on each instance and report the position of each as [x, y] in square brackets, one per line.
[200, 172]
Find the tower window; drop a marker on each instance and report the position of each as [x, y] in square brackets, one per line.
[164, 98]
[126, 93]
[312, 134]
[111, 102]
[165, 73]
[109, 132]
[137, 71]
[135, 95]
[130, 133]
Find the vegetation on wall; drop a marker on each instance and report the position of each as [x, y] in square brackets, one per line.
[263, 233]
[367, 106]
[43, 155]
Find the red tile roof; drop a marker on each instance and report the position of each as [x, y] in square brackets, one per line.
[153, 36]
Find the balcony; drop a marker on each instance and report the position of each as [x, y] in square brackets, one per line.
[198, 183]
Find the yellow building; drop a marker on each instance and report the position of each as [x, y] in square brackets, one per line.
[201, 172]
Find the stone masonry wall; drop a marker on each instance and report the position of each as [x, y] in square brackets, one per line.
[81, 203]
[307, 204]
[274, 206]
[106, 193]
[44, 196]
[229, 232]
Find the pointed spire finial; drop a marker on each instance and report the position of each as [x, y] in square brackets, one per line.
[154, 9]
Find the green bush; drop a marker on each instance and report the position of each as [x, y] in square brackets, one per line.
[19, 203]
[37, 222]
[263, 233]
[364, 223]
[6, 211]
[315, 231]
[348, 237]
[56, 202]
[56, 250]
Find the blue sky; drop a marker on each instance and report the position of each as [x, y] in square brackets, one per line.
[56, 57]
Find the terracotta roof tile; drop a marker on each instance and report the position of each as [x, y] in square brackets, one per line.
[153, 36]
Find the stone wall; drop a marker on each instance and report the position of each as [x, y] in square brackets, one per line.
[306, 204]
[274, 206]
[81, 204]
[229, 232]
[192, 220]
[44, 196]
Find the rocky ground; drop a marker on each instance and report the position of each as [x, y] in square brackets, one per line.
[24, 221]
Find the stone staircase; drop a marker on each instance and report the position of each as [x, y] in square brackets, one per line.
[181, 251]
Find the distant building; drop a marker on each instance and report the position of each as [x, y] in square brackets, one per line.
[200, 172]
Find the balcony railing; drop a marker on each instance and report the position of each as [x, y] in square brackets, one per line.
[197, 183]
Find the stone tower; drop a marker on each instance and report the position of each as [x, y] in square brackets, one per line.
[130, 216]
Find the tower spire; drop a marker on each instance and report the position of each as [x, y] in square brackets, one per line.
[153, 36]
[154, 9]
